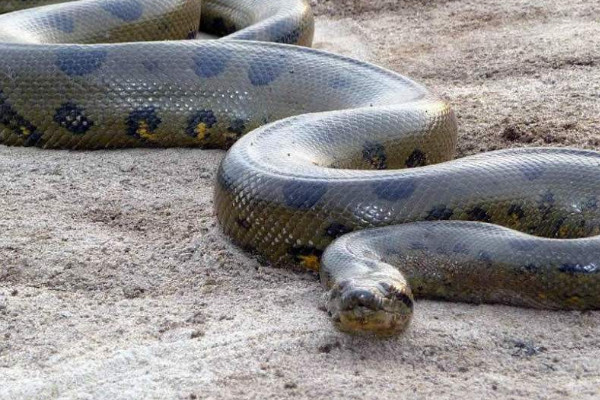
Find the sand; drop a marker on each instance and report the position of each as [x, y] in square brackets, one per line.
[115, 281]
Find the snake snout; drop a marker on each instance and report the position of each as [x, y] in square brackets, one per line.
[360, 298]
[382, 308]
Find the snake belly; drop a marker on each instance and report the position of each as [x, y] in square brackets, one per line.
[336, 145]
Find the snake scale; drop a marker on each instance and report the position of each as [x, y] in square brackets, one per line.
[335, 146]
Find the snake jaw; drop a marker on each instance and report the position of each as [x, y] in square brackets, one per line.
[380, 307]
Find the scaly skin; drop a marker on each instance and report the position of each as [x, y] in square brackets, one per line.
[337, 145]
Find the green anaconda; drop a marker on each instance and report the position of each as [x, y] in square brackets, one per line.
[324, 145]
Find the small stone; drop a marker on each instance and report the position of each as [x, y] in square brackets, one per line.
[132, 293]
[326, 348]
[197, 333]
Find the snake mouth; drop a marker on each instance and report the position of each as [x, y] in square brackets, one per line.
[379, 308]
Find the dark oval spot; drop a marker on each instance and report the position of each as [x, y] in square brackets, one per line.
[573, 269]
[460, 248]
[243, 222]
[142, 122]
[399, 189]
[127, 10]
[218, 26]
[34, 139]
[305, 250]
[374, 154]
[340, 82]
[515, 210]
[303, 194]
[151, 65]
[192, 34]
[439, 213]
[263, 71]
[78, 61]
[198, 122]
[61, 21]
[285, 31]
[479, 214]
[210, 61]
[546, 202]
[556, 226]
[72, 118]
[416, 159]
[336, 230]
[532, 171]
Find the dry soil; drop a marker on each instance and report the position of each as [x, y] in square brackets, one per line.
[115, 281]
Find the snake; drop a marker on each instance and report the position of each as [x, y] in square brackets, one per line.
[334, 164]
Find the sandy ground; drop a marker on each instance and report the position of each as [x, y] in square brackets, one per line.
[115, 281]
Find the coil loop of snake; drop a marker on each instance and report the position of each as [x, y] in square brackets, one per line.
[324, 145]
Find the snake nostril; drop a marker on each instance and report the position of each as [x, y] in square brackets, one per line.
[359, 298]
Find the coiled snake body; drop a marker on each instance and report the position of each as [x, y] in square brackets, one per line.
[337, 145]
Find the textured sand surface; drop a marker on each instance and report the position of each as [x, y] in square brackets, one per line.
[115, 281]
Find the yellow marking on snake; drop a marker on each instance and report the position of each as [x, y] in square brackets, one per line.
[143, 130]
[26, 132]
[201, 131]
[310, 262]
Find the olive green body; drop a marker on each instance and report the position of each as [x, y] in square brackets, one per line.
[337, 145]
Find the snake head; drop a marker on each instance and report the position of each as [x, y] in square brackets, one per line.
[374, 303]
